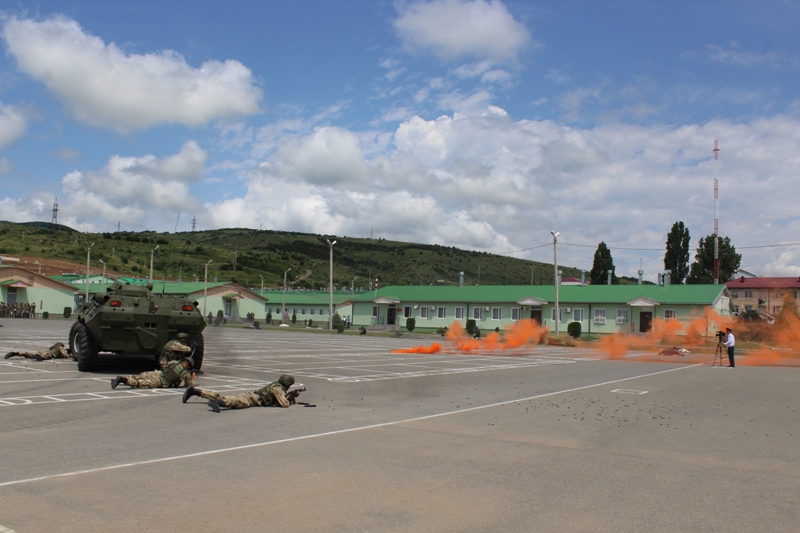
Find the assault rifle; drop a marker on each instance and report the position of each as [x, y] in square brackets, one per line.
[294, 391]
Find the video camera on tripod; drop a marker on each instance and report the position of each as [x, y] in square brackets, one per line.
[721, 337]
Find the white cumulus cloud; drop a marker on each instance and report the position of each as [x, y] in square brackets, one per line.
[12, 124]
[104, 86]
[452, 29]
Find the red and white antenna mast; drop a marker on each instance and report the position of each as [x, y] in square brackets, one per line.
[716, 213]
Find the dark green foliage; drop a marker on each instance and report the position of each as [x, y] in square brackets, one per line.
[676, 257]
[574, 329]
[603, 262]
[269, 318]
[67, 311]
[702, 271]
[310, 322]
[471, 326]
[45, 315]
[411, 323]
[337, 321]
[294, 317]
[340, 328]
[750, 316]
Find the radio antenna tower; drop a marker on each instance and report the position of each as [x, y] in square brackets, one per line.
[716, 213]
[55, 212]
[194, 223]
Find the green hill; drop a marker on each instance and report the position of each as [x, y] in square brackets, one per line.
[245, 256]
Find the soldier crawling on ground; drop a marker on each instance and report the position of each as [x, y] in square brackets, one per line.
[273, 394]
[172, 376]
[56, 351]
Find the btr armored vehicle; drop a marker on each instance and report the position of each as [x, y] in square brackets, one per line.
[132, 320]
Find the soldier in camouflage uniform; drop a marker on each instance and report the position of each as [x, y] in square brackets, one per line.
[175, 350]
[175, 373]
[56, 351]
[273, 394]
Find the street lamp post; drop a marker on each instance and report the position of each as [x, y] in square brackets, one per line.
[151, 262]
[104, 275]
[205, 289]
[330, 286]
[555, 276]
[262, 284]
[283, 304]
[40, 266]
[88, 256]
[353, 285]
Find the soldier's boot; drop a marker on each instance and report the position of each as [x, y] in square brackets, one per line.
[117, 380]
[214, 405]
[9, 355]
[37, 357]
[191, 391]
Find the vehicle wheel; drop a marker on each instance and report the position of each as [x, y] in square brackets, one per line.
[198, 352]
[71, 342]
[85, 350]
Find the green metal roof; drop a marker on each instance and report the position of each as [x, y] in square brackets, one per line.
[568, 294]
[9, 282]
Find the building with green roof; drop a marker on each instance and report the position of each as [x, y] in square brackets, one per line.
[598, 308]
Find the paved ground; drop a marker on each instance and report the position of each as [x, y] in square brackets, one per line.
[541, 439]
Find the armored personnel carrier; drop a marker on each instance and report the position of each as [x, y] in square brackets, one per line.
[132, 320]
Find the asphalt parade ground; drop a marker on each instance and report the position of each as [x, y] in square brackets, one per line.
[536, 439]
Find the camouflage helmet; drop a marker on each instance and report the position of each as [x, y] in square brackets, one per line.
[183, 336]
[286, 380]
[188, 360]
[56, 345]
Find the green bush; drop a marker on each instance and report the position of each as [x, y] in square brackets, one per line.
[220, 316]
[294, 317]
[310, 322]
[471, 326]
[411, 323]
[67, 312]
[574, 329]
[45, 315]
[269, 317]
[337, 320]
[340, 328]
[257, 324]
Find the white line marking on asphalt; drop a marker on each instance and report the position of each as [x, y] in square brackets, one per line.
[331, 433]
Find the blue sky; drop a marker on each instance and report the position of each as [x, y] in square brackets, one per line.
[477, 124]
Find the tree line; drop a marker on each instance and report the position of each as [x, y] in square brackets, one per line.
[676, 259]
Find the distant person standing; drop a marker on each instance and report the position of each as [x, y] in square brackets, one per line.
[730, 342]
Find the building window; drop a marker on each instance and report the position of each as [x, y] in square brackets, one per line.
[748, 294]
[303, 311]
[599, 316]
[515, 313]
[441, 312]
[560, 314]
[748, 307]
[577, 315]
[762, 295]
[477, 313]
[322, 312]
[374, 311]
[622, 316]
[423, 311]
[734, 294]
[736, 309]
[497, 313]
[311, 311]
[459, 313]
[670, 314]
[407, 311]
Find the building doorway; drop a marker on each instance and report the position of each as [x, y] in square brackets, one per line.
[391, 315]
[645, 321]
[536, 314]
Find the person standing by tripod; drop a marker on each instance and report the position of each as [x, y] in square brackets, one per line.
[730, 342]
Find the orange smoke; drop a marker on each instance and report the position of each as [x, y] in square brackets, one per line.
[521, 333]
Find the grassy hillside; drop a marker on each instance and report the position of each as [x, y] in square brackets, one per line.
[245, 256]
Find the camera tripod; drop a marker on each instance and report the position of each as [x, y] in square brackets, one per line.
[722, 352]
